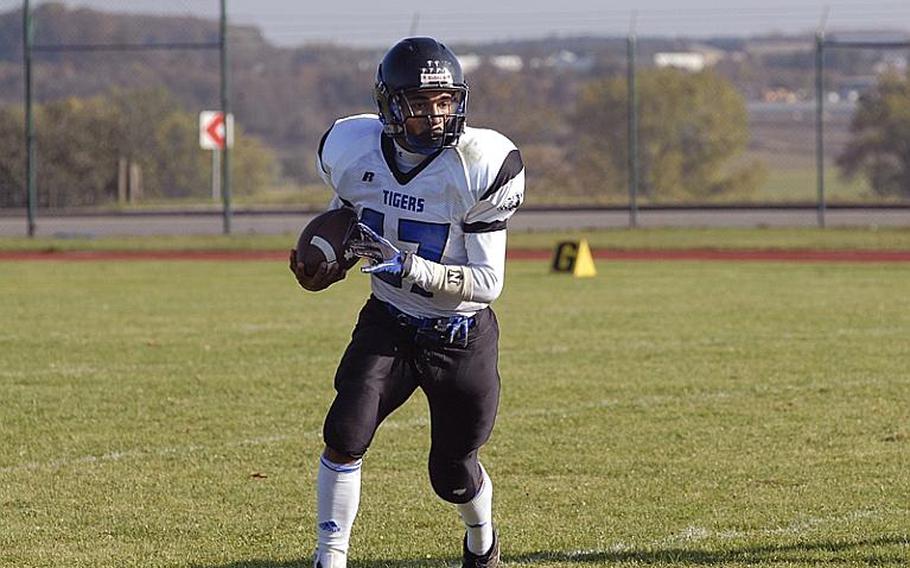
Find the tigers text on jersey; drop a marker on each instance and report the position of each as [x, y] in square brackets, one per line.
[456, 201]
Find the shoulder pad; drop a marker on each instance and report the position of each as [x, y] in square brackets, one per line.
[348, 138]
[491, 160]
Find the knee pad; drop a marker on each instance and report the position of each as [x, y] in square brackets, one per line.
[345, 438]
[455, 479]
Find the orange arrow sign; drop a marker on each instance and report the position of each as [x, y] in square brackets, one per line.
[215, 130]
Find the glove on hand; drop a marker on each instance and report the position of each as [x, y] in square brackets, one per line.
[458, 329]
[382, 254]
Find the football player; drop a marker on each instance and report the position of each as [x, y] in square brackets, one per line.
[433, 197]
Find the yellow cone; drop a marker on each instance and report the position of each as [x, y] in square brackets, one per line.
[574, 257]
[584, 262]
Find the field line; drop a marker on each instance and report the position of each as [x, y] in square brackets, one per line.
[796, 527]
[136, 453]
[694, 534]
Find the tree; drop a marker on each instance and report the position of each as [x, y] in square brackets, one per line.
[12, 158]
[80, 143]
[880, 144]
[692, 129]
[76, 153]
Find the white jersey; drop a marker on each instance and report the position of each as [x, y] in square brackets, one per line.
[451, 209]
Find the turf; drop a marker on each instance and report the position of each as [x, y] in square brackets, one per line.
[665, 238]
[660, 414]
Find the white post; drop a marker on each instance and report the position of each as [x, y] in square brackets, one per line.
[216, 175]
[122, 180]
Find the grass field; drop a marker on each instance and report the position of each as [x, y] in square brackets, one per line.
[799, 184]
[660, 414]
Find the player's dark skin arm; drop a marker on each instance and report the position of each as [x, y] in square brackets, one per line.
[325, 275]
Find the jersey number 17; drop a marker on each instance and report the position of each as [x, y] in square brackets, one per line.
[431, 239]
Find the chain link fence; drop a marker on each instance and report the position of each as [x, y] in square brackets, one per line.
[865, 102]
[717, 121]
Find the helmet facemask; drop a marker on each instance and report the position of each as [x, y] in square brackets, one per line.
[426, 120]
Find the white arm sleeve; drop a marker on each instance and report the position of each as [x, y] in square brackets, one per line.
[480, 280]
[487, 261]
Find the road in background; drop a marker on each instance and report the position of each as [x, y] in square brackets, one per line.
[210, 223]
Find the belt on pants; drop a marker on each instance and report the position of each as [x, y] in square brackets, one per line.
[452, 329]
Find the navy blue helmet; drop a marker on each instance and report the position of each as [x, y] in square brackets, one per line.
[414, 69]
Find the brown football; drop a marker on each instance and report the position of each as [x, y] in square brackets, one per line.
[326, 238]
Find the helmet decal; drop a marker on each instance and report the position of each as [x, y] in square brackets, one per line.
[436, 75]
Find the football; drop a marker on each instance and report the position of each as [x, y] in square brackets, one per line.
[326, 238]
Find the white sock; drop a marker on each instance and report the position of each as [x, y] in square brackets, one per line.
[477, 515]
[338, 497]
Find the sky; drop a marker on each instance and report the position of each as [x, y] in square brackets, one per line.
[379, 23]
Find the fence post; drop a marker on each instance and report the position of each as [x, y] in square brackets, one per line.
[31, 194]
[820, 125]
[633, 130]
[225, 110]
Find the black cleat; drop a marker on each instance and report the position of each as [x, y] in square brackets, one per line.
[488, 560]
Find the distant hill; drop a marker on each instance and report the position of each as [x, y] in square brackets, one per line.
[285, 96]
[289, 96]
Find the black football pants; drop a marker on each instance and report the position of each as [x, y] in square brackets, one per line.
[386, 362]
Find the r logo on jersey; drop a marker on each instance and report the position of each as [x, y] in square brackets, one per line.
[368, 176]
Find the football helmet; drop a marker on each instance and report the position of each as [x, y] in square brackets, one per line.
[422, 95]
